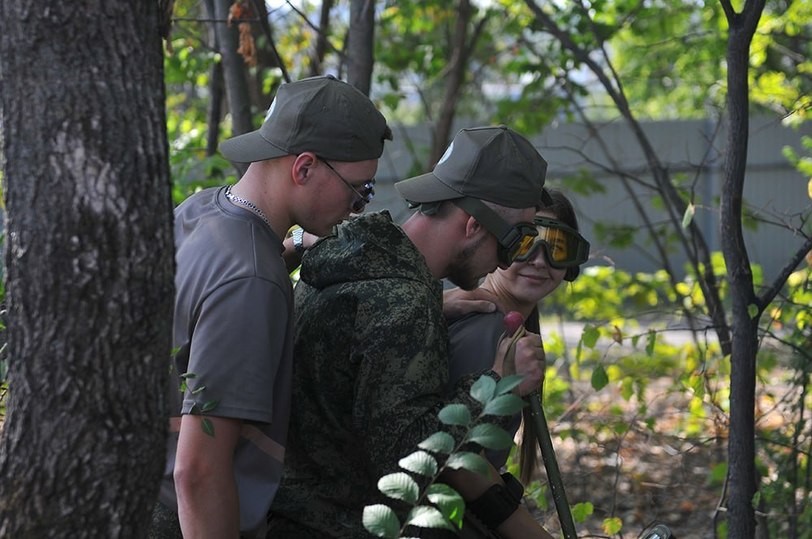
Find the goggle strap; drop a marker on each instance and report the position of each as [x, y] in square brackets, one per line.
[505, 234]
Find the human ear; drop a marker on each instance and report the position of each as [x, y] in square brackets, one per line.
[302, 167]
[473, 227]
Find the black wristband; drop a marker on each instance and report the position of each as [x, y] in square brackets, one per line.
[495, 506]
[513, 486]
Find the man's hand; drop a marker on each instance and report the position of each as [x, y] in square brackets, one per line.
[458, 302]
[525, 357]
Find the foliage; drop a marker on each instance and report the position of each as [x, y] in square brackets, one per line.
[628, 340]
[436, 505]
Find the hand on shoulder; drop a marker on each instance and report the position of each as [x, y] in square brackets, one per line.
[458, 302]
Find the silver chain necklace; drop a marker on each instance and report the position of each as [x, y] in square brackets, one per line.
[248, 204]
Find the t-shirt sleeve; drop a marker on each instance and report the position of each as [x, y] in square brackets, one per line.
[236, 349]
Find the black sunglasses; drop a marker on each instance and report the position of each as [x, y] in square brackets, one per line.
[362, 197]
[514, 241]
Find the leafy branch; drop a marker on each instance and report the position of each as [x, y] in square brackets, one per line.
[439, 505]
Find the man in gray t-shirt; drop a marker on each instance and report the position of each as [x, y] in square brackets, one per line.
[312, 163]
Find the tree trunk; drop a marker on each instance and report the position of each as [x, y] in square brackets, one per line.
[360, 47]
[744, 309]
[457, 67]
[89, 266]
[234, 73]
[317, 58]
[216, 90]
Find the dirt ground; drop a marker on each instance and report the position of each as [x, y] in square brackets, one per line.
[641, 477]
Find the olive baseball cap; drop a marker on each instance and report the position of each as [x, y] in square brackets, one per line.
[320, 114]
[495, 164]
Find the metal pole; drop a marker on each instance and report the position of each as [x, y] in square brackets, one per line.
[551, 465]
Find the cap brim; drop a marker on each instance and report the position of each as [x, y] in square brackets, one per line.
[426, 188]
[249, 148]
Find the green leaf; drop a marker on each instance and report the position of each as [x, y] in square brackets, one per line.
[439, 442]
[207, 426]
[688, 216]
[580, 511]
[381, 521]
[399, 486]
[419, 462]
[490, 436]
[455, 414]
[612, 525]
[469, 461]
[198, 390]
[188, 375]
[507, 383]
[483, 389]
[752, 311]
[424, 516]
[651, 340]
[448, 501]
[504, 405]
[599, 378]
[209, 406]
[590, 336]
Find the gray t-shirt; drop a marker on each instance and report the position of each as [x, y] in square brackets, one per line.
[473, 340]
[233, 331]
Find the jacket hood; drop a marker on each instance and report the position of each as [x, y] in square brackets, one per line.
[371, 246]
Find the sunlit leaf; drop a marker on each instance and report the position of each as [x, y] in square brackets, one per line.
[424, 516]
[439, 442]
[455, 414]
[419, 462]
[469, 461]
[507, 383]
[448, 501]
[399, 486]
[483, 389]
[504, 405]
[490, 436]
[581, 511]
[590, 336]
[688, 216]
[612, 525]
[381, 521]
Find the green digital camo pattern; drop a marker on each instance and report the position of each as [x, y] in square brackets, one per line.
[371, 365]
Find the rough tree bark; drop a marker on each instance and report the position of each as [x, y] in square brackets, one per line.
[360, 46]
[745, 310]
[89, 266]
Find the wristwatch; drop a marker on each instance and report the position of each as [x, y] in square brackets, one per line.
[298, 240]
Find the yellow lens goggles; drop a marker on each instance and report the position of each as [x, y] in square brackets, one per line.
[563, 246]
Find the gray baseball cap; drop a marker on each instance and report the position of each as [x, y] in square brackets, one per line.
[495, 164]
[320, 114]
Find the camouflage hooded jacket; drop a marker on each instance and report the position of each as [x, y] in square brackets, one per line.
[370, 371]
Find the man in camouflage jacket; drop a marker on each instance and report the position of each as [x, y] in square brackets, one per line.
[370, 344]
